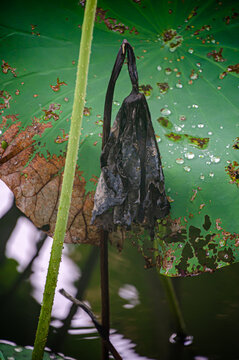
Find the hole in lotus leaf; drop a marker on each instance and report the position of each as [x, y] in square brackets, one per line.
[6, 100]
[163, 87]
[172, 39]
[63, 138]
[233, 171]
[58, 85]
[87, 111]
[111, 23]
[228, 18]
[236, 144]
[203, 28]
[6, 67]
[217, 56]
[50, 113]
[33, 27]
[226, 255]
[233, 68]
[187, 253]
[222, 75]
[168, 35]
[165, 122]
[207, 222]
[146, 90]
[192, 13]
[194, 195]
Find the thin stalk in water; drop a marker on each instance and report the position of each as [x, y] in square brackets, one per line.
[171, 295]
[174, 306]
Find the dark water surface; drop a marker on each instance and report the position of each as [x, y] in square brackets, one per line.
[140, 320]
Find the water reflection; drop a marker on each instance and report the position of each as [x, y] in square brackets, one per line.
[125, 347]
[209, 302]
[22, 243]
[69, 272]
[6, 198]
[23, 246]
[130, 293]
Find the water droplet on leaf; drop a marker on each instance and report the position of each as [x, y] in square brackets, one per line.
[215, 159]
[168, 71]
[165, 111]
[189, 155]
[179, 161]
[187, 168]
[182, 117]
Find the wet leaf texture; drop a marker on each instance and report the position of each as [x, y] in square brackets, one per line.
[187, 56]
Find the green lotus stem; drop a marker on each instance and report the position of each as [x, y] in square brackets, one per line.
[170, 292]
[68, 179]
[174, 305]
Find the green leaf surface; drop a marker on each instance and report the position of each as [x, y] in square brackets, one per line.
[187, 59]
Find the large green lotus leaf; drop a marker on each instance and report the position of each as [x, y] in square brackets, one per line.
[188, 64]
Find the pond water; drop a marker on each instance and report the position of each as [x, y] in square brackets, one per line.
[141, 324]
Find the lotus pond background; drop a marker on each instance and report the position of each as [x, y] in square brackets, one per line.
[140, 320]
[187, 58]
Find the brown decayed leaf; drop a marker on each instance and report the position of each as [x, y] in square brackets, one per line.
[37, 186]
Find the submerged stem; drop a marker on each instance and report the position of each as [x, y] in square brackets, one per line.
[68, 179]
[171, 295]
[174, 305]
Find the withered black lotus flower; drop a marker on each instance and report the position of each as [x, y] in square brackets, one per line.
[131, 185]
